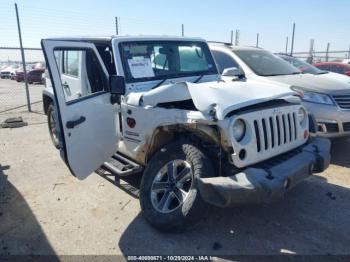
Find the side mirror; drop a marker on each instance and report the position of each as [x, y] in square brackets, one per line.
[117, 88]
[117, 85]
[231, 71]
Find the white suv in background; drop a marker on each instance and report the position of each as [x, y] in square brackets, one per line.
[327, 99]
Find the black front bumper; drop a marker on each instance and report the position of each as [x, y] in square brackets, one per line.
[258, 185]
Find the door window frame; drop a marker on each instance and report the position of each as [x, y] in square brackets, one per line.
[106, 74]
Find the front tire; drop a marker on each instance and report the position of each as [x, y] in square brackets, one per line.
[52, 124]
[169, 195]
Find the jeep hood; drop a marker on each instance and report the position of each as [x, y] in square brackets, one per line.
[315, 83]
[221, 96]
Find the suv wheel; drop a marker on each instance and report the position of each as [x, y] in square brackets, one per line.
[169, 195]
[52, 124]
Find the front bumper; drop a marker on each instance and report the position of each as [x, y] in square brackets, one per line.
[332, 121]
[258, 185]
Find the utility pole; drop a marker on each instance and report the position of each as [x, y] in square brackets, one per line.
[231, 37]
[182, 30]
[327, 51]
[257, 40]
[116, 26]
[23, 60]
[292, 44]
[237, 37]
[286, 51]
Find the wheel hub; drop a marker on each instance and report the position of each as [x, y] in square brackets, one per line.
[171, 186]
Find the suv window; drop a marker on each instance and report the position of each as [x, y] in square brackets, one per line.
[323, 67]
[337, 69]
[151, 60]
[301, 65]
[81, 73]
[264, 63]
[192, 59]
[71, 62]
[224, 60]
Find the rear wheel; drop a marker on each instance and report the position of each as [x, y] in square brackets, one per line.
[169, 195]
[52, 124]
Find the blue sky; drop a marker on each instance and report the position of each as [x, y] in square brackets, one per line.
[323, 20]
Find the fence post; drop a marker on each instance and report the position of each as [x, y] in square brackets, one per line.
[23, 60]
[231, 37]
[327, 52]
[182, 30]
[311, 50]
[237, 37]
[286, 45]
[292, 44]
[116, 26]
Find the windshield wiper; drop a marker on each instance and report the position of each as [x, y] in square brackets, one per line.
[198, 79]
[165, 79]
[159, 83]
[294, 73]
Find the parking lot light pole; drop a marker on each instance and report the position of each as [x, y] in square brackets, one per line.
[23, 60]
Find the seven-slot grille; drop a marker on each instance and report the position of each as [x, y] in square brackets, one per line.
[275, 131]
[343, 101]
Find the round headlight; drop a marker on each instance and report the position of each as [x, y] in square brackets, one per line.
[301, 115]
[238, 129]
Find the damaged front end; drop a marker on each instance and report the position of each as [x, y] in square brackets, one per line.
[264, 185]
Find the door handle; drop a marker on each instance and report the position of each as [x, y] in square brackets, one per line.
[74, 123]
[65, 85]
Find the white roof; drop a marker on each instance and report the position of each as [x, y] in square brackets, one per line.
[128, 37]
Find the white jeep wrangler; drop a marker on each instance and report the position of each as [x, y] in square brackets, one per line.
[157, 105]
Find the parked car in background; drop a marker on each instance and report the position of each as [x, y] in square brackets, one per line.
[327, 99]
[19, 76]
[6, 72]
[310, 69]
[13, 75]
[9, 72]
[336, 67]
[33, 76]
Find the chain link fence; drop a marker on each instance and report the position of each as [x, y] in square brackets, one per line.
[323, 56]
[12, 87]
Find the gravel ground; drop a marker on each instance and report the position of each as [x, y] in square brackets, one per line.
[45, 210]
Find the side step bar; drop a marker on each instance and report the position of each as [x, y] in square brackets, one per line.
[122, 166]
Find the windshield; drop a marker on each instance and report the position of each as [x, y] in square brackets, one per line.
[303, 66]
[264, 63]
[152, 60]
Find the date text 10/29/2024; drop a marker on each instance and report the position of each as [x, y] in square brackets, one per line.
[169, 258]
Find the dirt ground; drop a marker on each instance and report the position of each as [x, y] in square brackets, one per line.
[45, 210]
[13, 94]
